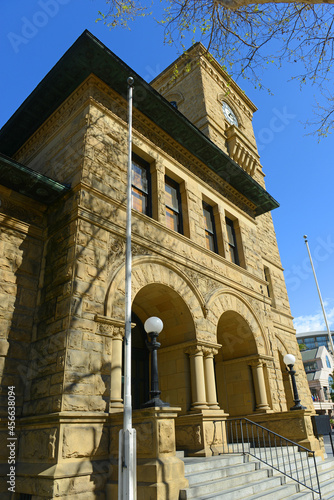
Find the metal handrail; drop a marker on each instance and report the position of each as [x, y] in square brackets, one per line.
[267, 446]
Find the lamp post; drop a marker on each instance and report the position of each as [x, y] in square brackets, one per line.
[127, 473]
[290, 360]
[153, 326]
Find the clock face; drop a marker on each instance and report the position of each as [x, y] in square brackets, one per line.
[229, 115]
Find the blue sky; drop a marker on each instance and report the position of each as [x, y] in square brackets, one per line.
[34, 34]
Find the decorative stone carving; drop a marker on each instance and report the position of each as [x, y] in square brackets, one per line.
[189, 436]
[38, 444]
[21, 213]
[110, 327]
[117, 249]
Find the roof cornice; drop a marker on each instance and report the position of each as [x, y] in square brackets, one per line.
[88, 55]
[26, 181]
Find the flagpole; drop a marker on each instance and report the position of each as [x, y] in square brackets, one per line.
[127, 487]
[321, 302]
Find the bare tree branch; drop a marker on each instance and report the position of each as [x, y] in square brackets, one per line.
[236, 4]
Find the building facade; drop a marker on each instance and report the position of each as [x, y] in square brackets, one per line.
[205, 260]
[319, 366]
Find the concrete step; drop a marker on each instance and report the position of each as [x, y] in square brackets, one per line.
[220, 473]
[243, 477]
[241, 491]
[303, 495]
[302, 465]
[283, 492]
[199, 464]
[246, 483]
[327, 487]
[326, 479]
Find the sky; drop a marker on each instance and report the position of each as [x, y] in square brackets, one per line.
[34, 34]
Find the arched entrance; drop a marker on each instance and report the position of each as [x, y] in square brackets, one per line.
[139, 364]
[235, 387]
[156, 299]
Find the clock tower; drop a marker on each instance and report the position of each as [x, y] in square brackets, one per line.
[202, 91]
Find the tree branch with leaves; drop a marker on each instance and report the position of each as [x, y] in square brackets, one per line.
[246, 37]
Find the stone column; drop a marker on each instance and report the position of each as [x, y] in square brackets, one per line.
[116, 400]
[260, 387]
[210, 379]
[114, 330]
[197, 378]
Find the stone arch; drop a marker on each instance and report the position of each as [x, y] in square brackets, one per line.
[153, 270]
[156, 299]
[175, 96]
[224, 300]
[241, 374]
[161, 289]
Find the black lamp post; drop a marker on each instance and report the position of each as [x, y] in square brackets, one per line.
[290, 360]
[153, 326]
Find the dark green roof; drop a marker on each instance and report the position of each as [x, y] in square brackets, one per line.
[24, 180]
[88, 55]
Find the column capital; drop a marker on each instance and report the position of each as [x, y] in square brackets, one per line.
[256, 362]
[110, 327]
[210, 351]
[259, 360]
[194, 350]
[207, 349]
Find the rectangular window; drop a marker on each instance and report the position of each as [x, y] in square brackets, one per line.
[210, 229]
[270, 288]
[141, 185]
[309, 342]
[267, 278]
[310, 366]
[232, 241]
[322, 340]
[173, 205]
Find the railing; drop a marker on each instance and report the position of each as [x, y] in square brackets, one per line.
[282, 454]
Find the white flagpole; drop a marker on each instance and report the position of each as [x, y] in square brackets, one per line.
[127, 481]
[321, 302]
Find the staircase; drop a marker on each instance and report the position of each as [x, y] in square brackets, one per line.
[240, 476]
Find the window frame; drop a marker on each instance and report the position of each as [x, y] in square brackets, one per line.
[148, 195]
[175, 185]
[213, 234]
[233, 247]
[267, 277]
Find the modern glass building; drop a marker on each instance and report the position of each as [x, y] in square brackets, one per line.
[315, 339]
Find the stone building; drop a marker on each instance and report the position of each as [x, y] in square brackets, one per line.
[205, 260]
